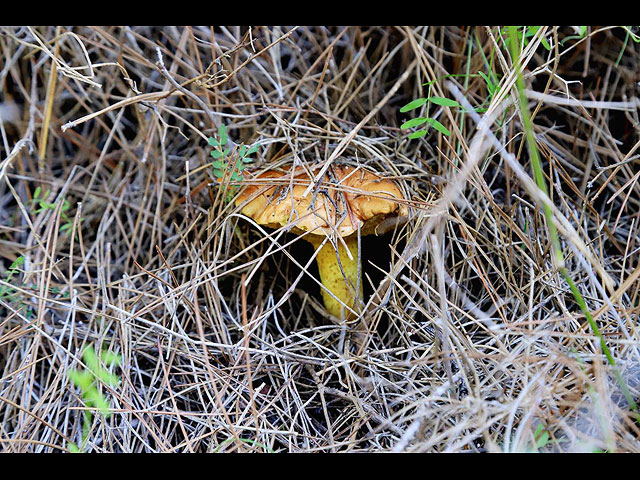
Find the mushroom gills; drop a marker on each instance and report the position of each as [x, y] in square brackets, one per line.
[375, 205]
[340, 275]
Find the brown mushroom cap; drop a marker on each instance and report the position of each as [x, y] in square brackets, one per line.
[348, 198]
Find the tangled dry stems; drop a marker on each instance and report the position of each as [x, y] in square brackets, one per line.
[475, 341]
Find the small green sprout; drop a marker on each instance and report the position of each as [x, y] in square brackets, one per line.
[582, 31]
[40, 204]
[9, 294]
[524, 33]
[541, 436]
[629, 34]
[418, 121]
[244, 440]
[492, 82]
[87, 381]
[223, 157]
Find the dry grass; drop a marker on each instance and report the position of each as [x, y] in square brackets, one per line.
[475, 341]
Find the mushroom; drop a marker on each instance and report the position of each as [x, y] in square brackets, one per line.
[353, 199]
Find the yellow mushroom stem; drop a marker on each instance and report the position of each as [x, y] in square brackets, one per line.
[340, 275]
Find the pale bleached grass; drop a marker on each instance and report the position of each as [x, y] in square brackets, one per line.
[474, 342]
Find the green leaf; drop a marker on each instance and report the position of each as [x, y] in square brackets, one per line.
[81, 379]
[418, 134]
[545, 43]
[222, 131]
[414, 122]
[242, 151]
[89, 357]
[417, 103]
[492, 86]
[541, 436]
[94, 398]
[438, 126]
[253, 149]
[213, 142]
[218, 164]
[17, 263]
[216, 153]
[111, 358]
[37, 193]
[108, 378]
[218, 173]
[445, 102]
